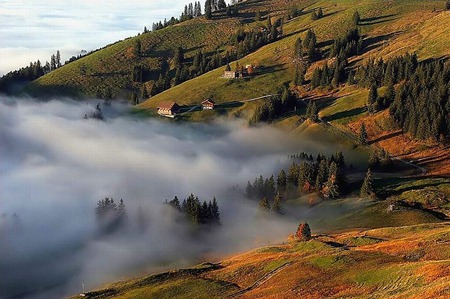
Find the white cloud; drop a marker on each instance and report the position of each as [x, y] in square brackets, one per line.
[34, 30]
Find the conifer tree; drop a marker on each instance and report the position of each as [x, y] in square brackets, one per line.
[372, 99]
[362, 136]
[215, 214]
[320, 13]
[281, 181]
[356, 18]
[367, 186]
[447, 5]
[208, 11]
[122, 213]
[257, 16]
[264, 204]
[298, 49]
[277, 203]
[303, 232]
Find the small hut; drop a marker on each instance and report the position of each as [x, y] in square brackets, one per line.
[169, 109]
[208, 104]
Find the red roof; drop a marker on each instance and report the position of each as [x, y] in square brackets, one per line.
[208, 101]
[167, 105]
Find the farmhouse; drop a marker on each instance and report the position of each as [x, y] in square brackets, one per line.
[208, 104]
[240, 72]
[168, 109]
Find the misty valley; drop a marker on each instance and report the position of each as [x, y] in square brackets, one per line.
[86, 201]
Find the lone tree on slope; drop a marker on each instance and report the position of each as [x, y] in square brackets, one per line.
[362, 137]
[303, 232]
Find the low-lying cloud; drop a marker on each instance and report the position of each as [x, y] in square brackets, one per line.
[55, 166]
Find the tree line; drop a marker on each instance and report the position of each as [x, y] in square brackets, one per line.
[326, 175]
[110, 215]
[29, 73]
[197, 213]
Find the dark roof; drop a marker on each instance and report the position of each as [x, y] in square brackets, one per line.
[167, 105]
[208, 101]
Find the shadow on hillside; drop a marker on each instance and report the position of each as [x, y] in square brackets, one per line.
[345, 114]
[377, 20]
[233, 104]
[393, 185]
[269, 69]
[371, 43]
[385, 137]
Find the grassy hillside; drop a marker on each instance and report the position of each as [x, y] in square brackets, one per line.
[399, 262]
[390, 28]
[111, 67]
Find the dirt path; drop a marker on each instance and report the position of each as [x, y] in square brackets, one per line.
[262, 280]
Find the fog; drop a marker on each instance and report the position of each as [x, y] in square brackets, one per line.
[55, 167]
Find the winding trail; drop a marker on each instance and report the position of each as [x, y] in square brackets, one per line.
[261, 280]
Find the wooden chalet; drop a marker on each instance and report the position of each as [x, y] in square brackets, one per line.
[208, 104]
[169, 109]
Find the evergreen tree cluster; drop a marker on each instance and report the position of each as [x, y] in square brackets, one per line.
[110, 216]
[317, 14]
[330, 76]
[191, 11]
[232, 10]
[322, 174]
[29, 73]
[379, 73]
[380, 159]
[308, 48]
[293, 12]
[349, 45]
[246, 42]
[312, 112]
[274, 107]
[422, 104]
[196, 212]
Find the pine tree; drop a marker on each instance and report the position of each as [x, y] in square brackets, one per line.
[298, 49]
[372, 99]
[281, 181]
[314, 15]
[175, 203]
[356, 18]
[447, 5]
[122, 213]
[351, 78]
[208, 11]
[367, 186]
[257, 16]
[277, 203]
[320, 13]
[362, 136]
[264, 204]
[215, 214]
[178, 57]
[303, 232]
[58, 59]
[137, 49]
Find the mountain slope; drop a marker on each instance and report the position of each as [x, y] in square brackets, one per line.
[391, 28]
[402, 262]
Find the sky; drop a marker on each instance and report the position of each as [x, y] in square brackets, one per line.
[33, 29]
